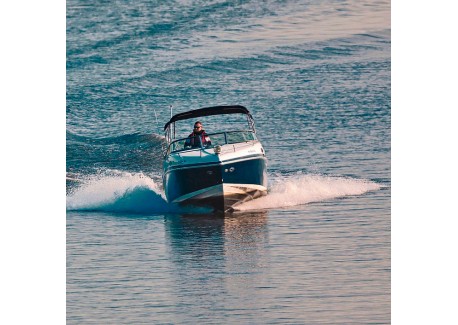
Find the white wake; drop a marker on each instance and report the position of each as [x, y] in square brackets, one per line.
[302, 189]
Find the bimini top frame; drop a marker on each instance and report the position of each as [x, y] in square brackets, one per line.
[169, 127]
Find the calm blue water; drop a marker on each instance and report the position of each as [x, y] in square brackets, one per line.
[316, 77]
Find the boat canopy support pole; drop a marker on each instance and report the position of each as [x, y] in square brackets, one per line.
[251, 123]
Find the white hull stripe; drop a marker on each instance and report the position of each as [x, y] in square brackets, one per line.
[214, 163]
[215, 191]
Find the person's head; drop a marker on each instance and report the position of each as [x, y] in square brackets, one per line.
[198, 126]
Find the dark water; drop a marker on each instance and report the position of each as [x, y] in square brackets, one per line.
[316, 77]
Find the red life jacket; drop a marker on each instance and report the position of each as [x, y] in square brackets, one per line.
[205, 139]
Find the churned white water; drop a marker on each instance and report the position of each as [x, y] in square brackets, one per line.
[138, 193]
[303, 189]
[125, 192]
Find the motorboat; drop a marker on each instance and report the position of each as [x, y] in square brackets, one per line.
[227, 170]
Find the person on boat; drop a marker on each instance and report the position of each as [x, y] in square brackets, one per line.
[197, 137]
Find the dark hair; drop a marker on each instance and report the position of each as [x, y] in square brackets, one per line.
[198, 122]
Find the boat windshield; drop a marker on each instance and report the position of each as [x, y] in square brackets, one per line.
[215, 139]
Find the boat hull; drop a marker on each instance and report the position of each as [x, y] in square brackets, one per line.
[219, 185]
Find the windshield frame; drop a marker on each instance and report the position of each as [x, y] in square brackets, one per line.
[227, 140]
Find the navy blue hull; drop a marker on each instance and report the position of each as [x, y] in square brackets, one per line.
[253, 171]
[180, 182]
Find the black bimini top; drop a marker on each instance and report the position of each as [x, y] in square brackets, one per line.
[206, 111]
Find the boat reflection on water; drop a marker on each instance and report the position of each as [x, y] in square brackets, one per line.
[219, 255]
[215, 234]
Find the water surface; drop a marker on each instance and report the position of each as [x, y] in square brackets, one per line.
[316, 77]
